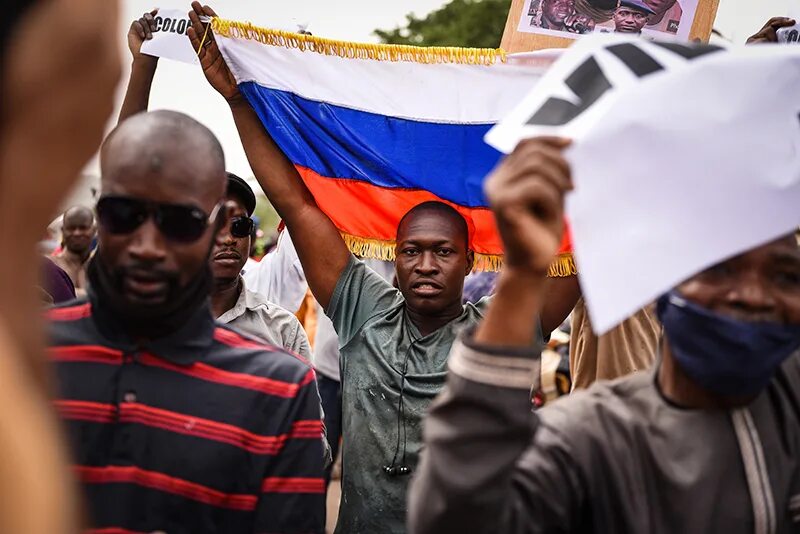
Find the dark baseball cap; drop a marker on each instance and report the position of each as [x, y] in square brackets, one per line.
[238, 187]
[638, 5]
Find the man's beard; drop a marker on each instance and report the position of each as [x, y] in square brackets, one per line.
[149, 320]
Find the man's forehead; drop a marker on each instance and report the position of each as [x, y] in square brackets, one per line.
[78, 217]
[430, 222]
[177, 180]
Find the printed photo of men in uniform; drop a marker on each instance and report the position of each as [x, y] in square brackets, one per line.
[653, 19]
[666, 17]
[631, 16]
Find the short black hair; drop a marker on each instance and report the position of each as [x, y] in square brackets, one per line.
[435, 206]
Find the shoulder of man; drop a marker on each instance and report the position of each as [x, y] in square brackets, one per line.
[605, 407]
[259, 303]
[256, 357]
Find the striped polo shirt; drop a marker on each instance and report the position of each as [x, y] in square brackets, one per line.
[204, 430]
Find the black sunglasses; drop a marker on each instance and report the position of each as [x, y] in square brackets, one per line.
[177, 222]
[242, 227]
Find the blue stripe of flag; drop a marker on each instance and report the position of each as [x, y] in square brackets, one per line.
[449, 160]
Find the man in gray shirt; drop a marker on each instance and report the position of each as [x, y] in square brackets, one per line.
[706, 441]
[394, 342]
[231, 302]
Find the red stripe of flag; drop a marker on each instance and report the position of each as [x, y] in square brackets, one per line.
[167, 484]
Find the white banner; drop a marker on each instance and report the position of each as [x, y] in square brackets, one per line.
[169, 39]
[578, 89]
[674, 171]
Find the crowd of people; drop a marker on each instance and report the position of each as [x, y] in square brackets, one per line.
[198, 391]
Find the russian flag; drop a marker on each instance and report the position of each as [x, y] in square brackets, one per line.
[376, 129]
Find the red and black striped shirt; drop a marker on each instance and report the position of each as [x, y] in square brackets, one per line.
[204, 430]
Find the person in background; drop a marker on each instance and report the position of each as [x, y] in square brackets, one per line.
[78, 234]
[53, 107]
[231, 301]
[707, 441]
[56, 284]
[626, 348]
[178, 423]
[393, 342]
[479, 285]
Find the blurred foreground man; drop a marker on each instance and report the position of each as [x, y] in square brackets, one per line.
[707, 441]
[54, 104]
[178, 424]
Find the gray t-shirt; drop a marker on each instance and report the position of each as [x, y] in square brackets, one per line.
[377, 340]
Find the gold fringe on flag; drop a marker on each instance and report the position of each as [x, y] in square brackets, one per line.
[563, 265]
[375, 249]
[363, 247]
[346, 49]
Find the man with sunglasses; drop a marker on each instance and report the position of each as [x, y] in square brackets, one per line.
[178, 423]
[231, 301]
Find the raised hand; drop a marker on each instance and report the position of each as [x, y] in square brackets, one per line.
[526, 192]
[767, 33]
[214, 67]
[140, 31]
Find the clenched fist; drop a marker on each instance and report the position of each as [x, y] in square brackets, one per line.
[526, 193]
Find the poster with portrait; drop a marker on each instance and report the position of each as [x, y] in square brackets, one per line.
[652, 19]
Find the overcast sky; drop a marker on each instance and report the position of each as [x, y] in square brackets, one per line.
[182, 87]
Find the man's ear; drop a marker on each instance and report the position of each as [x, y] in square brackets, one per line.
[470, 262]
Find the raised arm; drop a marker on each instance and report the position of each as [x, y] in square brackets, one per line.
[521, 478]
[143, 67]
[319, 245]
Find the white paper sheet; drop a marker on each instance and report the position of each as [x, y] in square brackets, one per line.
[682, 171]
[170, 40]
[604, 50]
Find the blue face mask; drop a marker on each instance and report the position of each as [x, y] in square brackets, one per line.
[724, 355]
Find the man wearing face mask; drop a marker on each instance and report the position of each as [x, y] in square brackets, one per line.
[706, 441]
[178, 423]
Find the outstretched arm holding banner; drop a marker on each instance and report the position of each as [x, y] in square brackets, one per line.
[143, 67]
[319, 244]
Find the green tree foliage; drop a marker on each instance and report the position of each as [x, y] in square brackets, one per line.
[468, 23]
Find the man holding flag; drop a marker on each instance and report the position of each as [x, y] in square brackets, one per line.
[394, 342]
